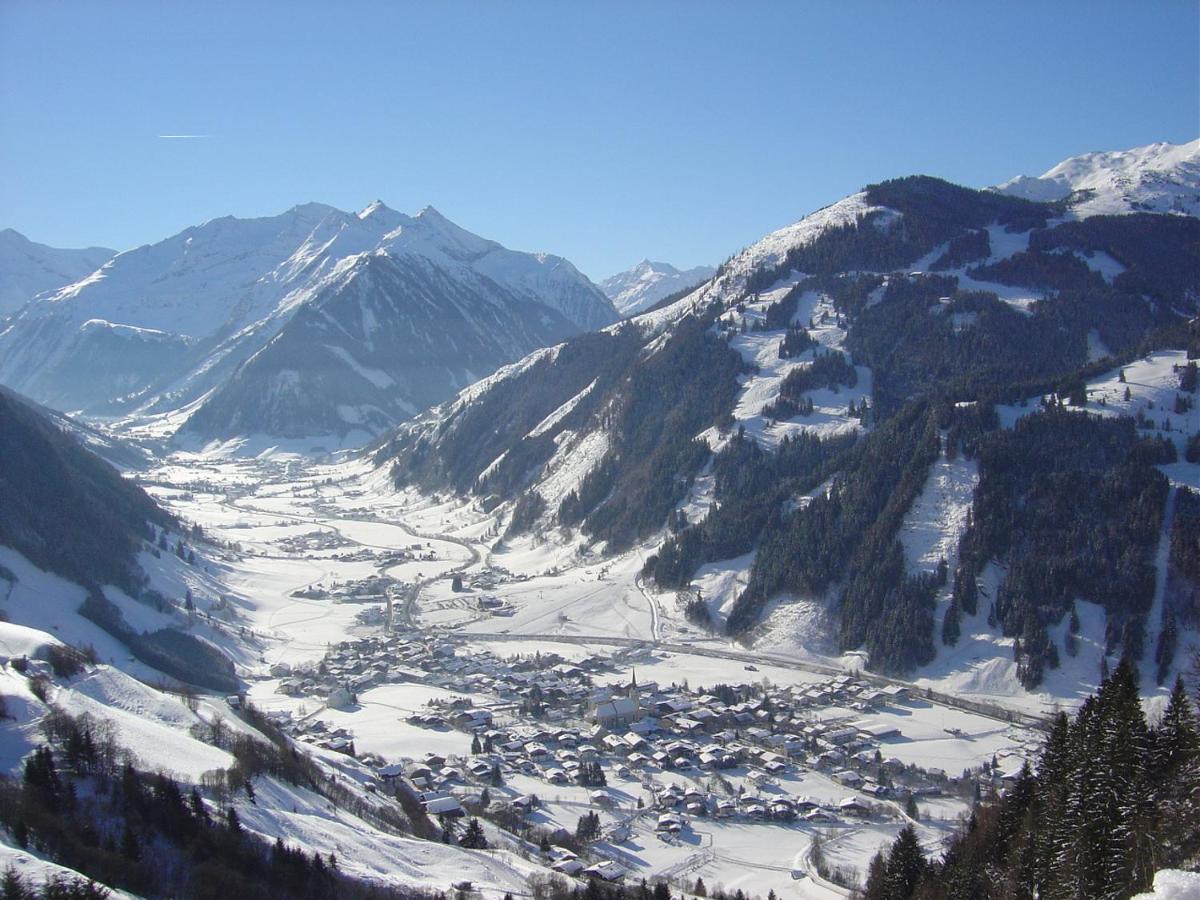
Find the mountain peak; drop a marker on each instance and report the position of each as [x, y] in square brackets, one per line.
[375, 207]
[642, 286]
[311, 209]
[28, 268]
[1160, 177]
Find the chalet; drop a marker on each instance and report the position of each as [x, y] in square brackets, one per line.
[852, 806]
[615, 744]
[444, 806]
[848, 777]
[527, 803]
[782, 810]
[669, 822]
[634, 741]
[607, 871]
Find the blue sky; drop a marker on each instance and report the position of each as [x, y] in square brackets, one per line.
[604, 132]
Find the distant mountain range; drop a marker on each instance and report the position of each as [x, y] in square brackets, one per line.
[636, 290]
[28, 268]
[315, 321]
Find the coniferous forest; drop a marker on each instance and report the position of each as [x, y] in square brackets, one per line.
[1111, 801]
[940, 358]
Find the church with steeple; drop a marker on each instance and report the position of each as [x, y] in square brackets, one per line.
[621, 710]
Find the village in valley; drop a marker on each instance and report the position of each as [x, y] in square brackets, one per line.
[605, 772]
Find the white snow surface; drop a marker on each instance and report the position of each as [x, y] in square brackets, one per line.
[1161, 178]
[636, 290]
[28, 268]
[1173, 884]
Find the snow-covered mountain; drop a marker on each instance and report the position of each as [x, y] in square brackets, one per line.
[1161, 178]
[385, 339]
[637, 289]
[773, 439]
[28, 268]
[160, 327]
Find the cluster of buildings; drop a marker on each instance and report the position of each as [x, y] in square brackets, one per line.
[546, 717]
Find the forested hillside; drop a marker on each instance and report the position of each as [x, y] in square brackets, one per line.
[65, 509]
[952, 301]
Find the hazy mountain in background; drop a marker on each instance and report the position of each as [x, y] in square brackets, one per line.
[161, 327]
[637, 289]
[28, 268]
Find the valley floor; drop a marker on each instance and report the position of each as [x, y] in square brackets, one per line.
[317, 554]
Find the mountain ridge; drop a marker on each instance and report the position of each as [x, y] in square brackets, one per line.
[868, 331]
[639, 288]
[28, 268]
[161, 326]
[1160, 177]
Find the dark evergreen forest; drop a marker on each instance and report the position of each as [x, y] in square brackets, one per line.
[1112, 801]
[1057, 492]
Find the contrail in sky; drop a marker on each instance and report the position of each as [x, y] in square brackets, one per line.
[182, 137]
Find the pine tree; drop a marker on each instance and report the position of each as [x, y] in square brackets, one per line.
[905, 865]
[876, 887]
[1176, 761]
[588, 827]
[473, 838]
[1177, 737]
[131, 847]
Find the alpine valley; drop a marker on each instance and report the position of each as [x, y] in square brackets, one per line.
[355, 555]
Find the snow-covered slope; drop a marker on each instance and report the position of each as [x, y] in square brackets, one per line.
[162, 325]
[637, 289]
[1162, 178]
[565, 395]
[28, 268]
[387, 338]
[906, 290]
